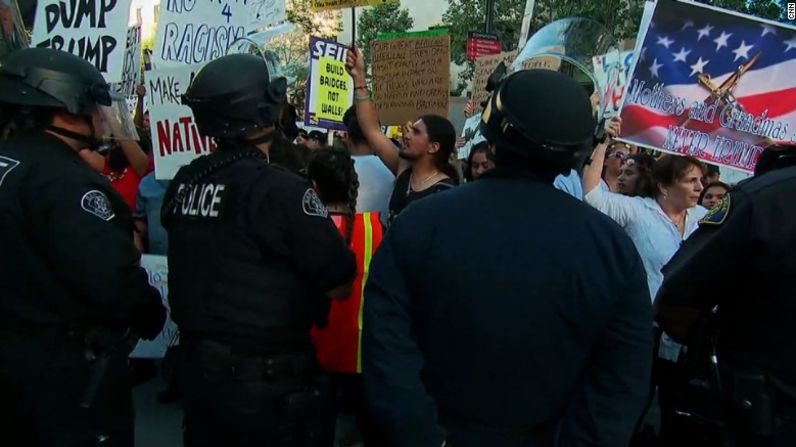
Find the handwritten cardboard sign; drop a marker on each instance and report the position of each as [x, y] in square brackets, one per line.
[197, 31]
[484, 67]
[131, 69]
[411, 77]
[95, 30]
[542, 63]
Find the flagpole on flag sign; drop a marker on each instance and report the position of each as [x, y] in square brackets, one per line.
[353, 26]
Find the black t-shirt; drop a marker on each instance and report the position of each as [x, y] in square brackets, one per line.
[403, 194]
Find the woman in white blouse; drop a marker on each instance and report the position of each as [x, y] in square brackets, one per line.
[657, 225]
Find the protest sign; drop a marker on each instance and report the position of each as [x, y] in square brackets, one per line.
[411, 75]
[194, 32]
[552, 63]
[266, 12]
[484, 67]
[612, 71]
[712, 84]
[175, 139]
[95, 30]
[330, 90]
[132, 65]
[322, 5]
[157, 269]
[12, 29]
[472, 133]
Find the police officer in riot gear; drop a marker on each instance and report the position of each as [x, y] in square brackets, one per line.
[535, 332]
[253, 261]
[728, 294]
[73, 298]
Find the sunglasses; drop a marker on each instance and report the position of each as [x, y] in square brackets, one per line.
[619, 154]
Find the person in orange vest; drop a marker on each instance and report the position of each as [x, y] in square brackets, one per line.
[339, 343]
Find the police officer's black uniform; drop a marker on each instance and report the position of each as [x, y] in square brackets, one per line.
[252, 254]
[70, 284]
[538, 328]
[730, 291]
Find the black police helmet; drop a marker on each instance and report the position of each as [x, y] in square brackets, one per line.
[776, 156]
[44, 77]
[234, 95]
[541, 115]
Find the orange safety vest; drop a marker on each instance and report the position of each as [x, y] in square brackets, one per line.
[338, 346]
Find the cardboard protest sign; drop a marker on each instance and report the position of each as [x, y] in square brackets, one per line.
[330, 90]
[484, 67]
[322, 5]
[411, 75]
[712, 84]
[175, 139]
[194, 32]
[95, 30]
[542, 63]
[157, 268]
[132, 64]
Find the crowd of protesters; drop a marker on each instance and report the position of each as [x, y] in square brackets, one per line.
[366, 181]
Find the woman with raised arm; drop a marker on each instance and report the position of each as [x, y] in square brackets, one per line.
[657, 225]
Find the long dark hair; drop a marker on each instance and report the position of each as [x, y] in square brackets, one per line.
[645, 185]
[333, 172]
[288, 155]
[441, 131]
[480, 148]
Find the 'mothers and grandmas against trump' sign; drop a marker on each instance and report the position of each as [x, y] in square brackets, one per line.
[715, 85]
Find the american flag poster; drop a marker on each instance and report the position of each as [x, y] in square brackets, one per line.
[716, 85]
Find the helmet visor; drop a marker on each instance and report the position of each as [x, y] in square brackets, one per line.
[569, 46]
[117, 122]
[266, 44]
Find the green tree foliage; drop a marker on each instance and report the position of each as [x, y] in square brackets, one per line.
[623, 17]
[320, 24]
[383, 18]
[767, 9]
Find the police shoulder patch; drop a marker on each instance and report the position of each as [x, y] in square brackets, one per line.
[6, 165]
[98, 204]
[718, 214]
[312, 204]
